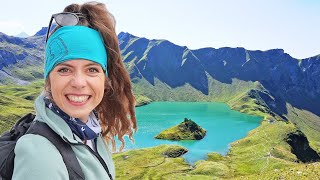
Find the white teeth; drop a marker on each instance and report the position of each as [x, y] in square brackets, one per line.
[77, 98]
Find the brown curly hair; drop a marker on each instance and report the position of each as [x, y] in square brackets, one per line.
[116, 110]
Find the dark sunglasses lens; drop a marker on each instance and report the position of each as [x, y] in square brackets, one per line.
[66, 19]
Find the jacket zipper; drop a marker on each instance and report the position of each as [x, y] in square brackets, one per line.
[96, 154]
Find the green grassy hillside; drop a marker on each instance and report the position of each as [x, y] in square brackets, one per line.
[218, 92]
[308, 123]
[17, 101]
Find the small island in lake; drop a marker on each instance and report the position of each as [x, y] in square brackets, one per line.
[187, 130]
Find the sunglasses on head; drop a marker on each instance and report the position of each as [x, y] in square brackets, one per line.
[64, 19]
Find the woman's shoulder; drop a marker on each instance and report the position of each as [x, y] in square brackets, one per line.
[34, 144]
[36, 158]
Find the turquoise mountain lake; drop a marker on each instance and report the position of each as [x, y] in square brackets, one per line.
[223, 126]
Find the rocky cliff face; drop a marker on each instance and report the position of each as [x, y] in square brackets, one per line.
[300, 147]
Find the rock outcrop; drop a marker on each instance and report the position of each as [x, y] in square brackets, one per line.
[187, 130]
[300, 147]
[175, 151]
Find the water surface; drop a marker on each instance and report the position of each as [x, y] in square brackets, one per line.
[223, 126]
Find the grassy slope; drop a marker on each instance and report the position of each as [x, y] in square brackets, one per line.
[219, 92]
[17, 101]
[308, 123]
[148, 163]
[262, 150]
[142, 100]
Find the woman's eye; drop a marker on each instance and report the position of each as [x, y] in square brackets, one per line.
[63, 70]
[93, 70]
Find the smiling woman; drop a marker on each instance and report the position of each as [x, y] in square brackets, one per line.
[78, 87]
[87, 101]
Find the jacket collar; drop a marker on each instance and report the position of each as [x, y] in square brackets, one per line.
[55, 122]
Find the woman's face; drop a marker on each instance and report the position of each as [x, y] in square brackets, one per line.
[77, 87]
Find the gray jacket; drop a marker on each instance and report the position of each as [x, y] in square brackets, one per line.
[37, 158]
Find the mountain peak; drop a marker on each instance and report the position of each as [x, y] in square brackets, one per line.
[276, 51]
[43, 30]
[22, 35]
[125, 35]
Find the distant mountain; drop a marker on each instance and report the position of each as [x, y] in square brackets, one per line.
[20, 59]
[43, 30]
[22, 35]
[288, 79]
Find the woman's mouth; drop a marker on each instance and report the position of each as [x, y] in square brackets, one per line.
[78, 99]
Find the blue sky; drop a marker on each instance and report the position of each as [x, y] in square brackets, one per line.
[292, 25]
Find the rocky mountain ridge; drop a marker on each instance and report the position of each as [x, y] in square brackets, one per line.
[285, 78]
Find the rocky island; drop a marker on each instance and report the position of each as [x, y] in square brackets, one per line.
[187, 130]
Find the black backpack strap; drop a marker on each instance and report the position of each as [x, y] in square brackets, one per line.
[68, 155]
[8, 143]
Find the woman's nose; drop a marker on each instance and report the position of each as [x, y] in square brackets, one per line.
[79, 80]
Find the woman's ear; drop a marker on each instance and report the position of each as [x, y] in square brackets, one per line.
[47, 88]
[47, 85]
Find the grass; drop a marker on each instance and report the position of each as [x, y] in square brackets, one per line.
[263, 149]
[17, 101]
[252, 105]
[298, 172]
[218, 92]
[148, 163]
[142, 100]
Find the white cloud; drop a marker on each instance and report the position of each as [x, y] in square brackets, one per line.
[11, 27]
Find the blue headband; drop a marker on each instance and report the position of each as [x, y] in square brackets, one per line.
[74, 42]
